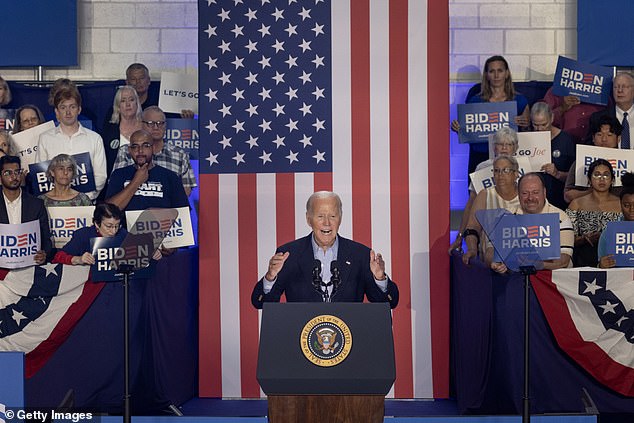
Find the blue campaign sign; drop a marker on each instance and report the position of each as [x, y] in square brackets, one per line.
[522, 239]
[110, 253]
[183, 133]
[591, 83]
[84, 182]
[479, 120]
[619, 237]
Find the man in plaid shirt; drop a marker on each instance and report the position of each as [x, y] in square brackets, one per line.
[165, 155]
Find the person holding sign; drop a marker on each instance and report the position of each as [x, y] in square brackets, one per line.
[562, 152]
[62, 170]
[71, 137]
[591, 213]
[497, 85]
[532, 197]
[606, 133]
[501, 196]
[607, 261]
[106, 221]
[20, 207]
[27, 117]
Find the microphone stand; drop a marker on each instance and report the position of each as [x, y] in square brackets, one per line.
[126, 269]
[527, 271]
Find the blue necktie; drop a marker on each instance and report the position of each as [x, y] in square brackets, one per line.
[625, 134]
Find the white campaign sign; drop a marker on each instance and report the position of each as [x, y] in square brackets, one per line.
[622, 161]
[19, 243]
[178, 92]
[179, 235]
[26, 142]
[483, 178]
[64, 221]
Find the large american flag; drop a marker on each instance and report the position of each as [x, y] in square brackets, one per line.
[298, 96]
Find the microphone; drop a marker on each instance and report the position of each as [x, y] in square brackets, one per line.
[317, 275]
[335, 277]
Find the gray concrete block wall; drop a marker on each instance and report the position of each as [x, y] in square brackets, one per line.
[114, 33]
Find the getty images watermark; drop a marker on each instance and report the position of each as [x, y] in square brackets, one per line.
[8, 414]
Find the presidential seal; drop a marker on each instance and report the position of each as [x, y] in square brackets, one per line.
[326, 340]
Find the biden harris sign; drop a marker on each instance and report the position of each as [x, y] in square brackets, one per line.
[591, 83]
[479, 120]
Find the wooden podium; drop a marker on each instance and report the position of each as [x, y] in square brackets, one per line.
[326, 361]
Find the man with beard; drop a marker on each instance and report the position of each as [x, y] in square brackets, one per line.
[20, 207]
[144, 184]
[532, 195]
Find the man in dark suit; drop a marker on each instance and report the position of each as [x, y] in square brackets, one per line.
[18, 206]
[324, 266]
[622, 109]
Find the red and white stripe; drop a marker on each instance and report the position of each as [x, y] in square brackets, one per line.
[388, 101]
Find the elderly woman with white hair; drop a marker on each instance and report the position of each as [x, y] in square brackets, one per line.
[504, 144]
[62, 171]
[562, 148]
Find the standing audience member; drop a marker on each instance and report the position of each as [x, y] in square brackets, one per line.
[571, 115]
[590, 213]
[497, 86]
[6, 146]
[606, 260]
[71, 137]
[18, 206]
[61, 171]
[27, 117]
[532, 195]
[5, 97]
[606, 133]
[563, 153]
[144, 184]
[125, 120]
[165, 155]
[623, 93]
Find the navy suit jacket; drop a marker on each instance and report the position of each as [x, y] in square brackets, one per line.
[32, 209]
[295, 278]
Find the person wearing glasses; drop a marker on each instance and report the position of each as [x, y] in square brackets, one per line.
[501, 196]
[591, 213]
[18, 206]
[70, 137]
[562, 147]
[62, 170]
[165, 155]
[27, 117]
[124, 120]
[606, 133]
[106, 221]
[144, 184]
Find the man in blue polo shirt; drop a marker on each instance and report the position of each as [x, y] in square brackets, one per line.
[144, 184]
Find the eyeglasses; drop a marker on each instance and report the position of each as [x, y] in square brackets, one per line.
[8, 173]
[154, 123]
[34, 119]
[135, 147]
[622, 87]
[503, 171]
[601, 176]
[110, 227]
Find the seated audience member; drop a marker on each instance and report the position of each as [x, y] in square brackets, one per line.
[621, 110]
[606, 133]
[21, 207]
[144, 184]
[165, 155]
[563, 153]
[591, 213]
[497, 85]
[501, 196]
[62, 170]
[571, 115]
[292, 270]
[5, 97]
[71, 137]
[605, 260]
[504, 144]
[532, 194]
[106, 221]
[125, 120]
[27, 117]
